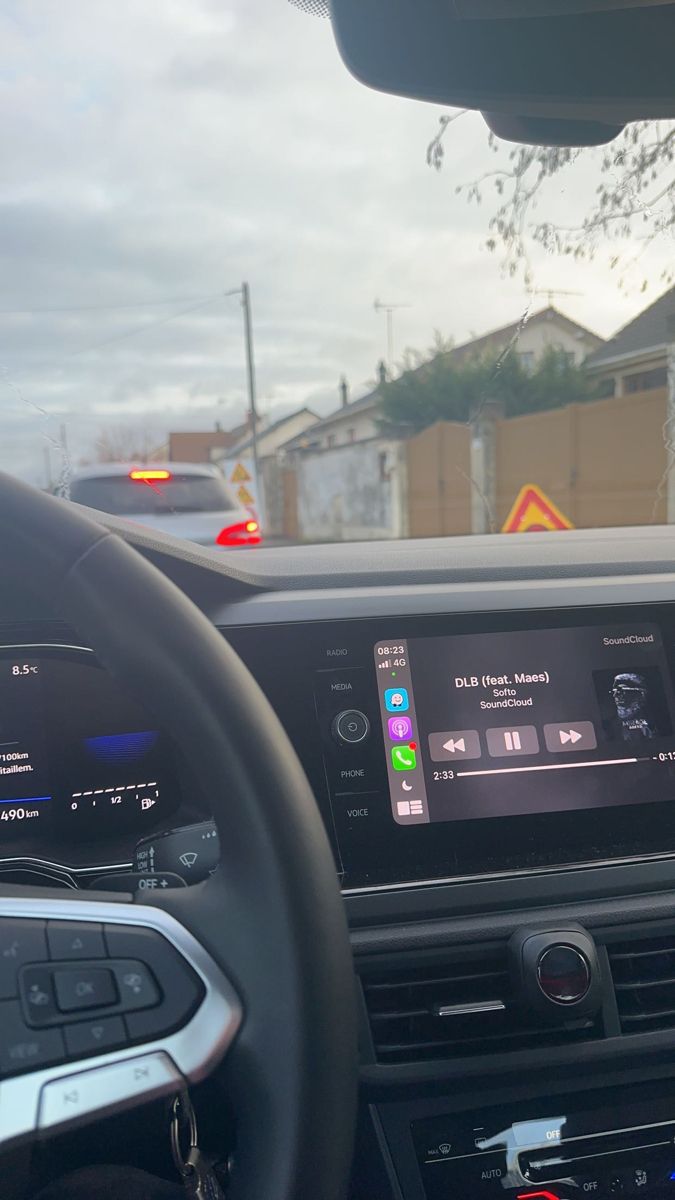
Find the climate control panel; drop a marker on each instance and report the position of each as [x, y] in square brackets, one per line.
[625, 1150]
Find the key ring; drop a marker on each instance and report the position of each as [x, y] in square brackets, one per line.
[183, 1120]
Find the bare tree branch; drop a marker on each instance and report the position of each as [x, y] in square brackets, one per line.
[633, 203]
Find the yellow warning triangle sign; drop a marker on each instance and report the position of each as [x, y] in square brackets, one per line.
[532, 511]
[245, 496]
[240, 474]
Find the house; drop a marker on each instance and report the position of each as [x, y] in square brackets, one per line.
[198, 446]
[353, 421]
[543, 330]
[270, 437]
[636, 358]
[358, 420]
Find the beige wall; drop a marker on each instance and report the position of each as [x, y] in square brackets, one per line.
[601, 463]
[439, 491]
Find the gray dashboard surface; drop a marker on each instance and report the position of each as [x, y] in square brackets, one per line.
[587, 552]
[328, 581]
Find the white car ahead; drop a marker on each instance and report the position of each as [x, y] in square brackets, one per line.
[188, 500]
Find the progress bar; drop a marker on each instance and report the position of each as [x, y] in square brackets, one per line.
[597, 762]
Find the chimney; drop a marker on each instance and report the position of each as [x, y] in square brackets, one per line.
[382, 371]
[344, 391]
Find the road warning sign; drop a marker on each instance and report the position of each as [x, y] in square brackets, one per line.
[244, 496]
[241, 479]
[240, 474]
[533, 512]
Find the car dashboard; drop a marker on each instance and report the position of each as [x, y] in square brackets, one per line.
[488, 726]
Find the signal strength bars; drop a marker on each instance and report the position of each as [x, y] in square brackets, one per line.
[382, 666]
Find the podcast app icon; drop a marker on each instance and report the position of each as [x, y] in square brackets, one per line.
[400, 728]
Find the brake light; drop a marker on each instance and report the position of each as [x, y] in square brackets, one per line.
[148, 475]
[243, 533]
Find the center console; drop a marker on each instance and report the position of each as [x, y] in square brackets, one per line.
[483, 745]
[498, 789]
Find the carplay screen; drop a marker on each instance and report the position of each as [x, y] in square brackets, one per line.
[495, 725]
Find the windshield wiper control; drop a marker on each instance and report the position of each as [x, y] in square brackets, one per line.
[192, 852]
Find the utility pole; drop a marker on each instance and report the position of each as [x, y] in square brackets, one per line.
[250, 375]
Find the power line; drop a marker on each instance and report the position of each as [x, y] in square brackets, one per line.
[129, 333]
[65, 308]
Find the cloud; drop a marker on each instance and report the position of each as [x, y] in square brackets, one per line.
[168, 149]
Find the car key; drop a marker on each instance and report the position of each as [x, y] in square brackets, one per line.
[199, 1178]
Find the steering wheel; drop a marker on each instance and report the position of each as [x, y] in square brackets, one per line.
[252, 968]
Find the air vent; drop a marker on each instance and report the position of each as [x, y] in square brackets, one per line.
[644, 983]
[460, 1007]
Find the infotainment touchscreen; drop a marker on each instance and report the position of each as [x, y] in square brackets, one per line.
[496, 725]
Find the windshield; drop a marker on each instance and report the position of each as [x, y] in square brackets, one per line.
[372, 317]
[124, 496]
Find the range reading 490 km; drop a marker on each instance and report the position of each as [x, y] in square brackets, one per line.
[18, 814]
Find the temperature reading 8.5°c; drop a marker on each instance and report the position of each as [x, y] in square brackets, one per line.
[20, 669]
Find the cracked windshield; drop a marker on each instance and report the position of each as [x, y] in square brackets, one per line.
[248, 302]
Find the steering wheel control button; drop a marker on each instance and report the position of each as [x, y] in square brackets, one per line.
[23, 1049]
[107, 1089]
[564, 974]
[192, 852]
[351, 727]
[20, 942]
[136, 986]
[75, 940]
[181, 990]
[83, 988]
[37, 994]
[95, 1037]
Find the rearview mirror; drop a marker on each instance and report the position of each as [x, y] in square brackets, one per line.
[573, 74]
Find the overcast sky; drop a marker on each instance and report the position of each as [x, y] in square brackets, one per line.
[164, 150]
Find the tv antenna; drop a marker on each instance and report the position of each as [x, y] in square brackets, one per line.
[389, 309]
[551, 292]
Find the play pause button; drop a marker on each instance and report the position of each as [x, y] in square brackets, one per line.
[575, 735]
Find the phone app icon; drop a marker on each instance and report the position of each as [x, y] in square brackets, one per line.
[396, 699]
[403, 758]
[400, 728]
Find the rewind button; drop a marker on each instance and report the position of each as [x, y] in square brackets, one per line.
[454, 745]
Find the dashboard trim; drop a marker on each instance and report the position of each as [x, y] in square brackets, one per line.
[45, 646]
[501, 876]
[45, 867]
